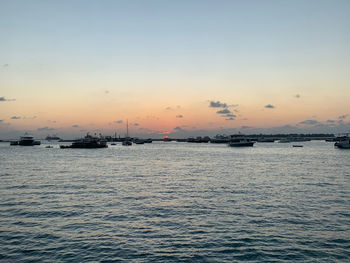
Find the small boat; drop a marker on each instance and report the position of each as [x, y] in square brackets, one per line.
[113, 143]
[295, 145]
[139, 141]
[241, 142]
[88, 142]
[14, 143]
[28, 140]
[220, 139]
[49, 146]
[344, 142]
[52, 138]
[127, 140]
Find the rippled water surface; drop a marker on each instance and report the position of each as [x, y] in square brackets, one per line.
[175, 202]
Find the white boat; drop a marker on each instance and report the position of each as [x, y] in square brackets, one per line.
[344, 142]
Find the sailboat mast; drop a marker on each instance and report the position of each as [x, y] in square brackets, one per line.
[127, 128]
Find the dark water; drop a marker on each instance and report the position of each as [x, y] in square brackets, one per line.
[175, 202]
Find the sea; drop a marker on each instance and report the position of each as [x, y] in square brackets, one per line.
[175, 202]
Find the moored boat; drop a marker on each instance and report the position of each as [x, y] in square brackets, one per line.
[88, 142]
[344, 142]
[239, 140]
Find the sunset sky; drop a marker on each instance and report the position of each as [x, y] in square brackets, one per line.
[174, 67]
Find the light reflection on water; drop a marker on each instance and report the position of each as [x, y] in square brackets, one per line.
[175, 202]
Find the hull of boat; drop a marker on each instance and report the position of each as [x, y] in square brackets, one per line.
[26, 143]
[343, 146]
[245, 144]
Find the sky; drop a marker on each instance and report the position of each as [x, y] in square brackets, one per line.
[177, 68]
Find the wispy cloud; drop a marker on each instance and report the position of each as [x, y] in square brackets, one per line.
[342, 117]
[136, 124]
[75, 126]
[224, 111]
[119, 121]
[15, 117]
[178, 128]
[217, 104]
[310, 122]
[46, 129]
[297, 96]
[269, 106]
[4, 99]
[179, 116]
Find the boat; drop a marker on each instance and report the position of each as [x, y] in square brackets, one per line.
[27, 140]
[344, 142]
[297, 145]
[127, 140]
[220, 139]
[239, 140]
[52, 138]
[14, 143]
[88, 142]
[139, 141]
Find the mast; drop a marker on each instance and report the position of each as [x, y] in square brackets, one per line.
[127, 128]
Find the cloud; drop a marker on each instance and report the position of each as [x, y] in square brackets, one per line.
[5, 65]
[310, 122]
[269, 106]
[230, 119]
[106, 91]
[179, 116]
[231, 115]
[217, 104]
[31, 118]
[15, 117]
[1, 120]
[178, 128]
[297, 96]
[119, 121]
[75, 126]
[168, 108]
[4, 99]
[246, 127]
[330, 121]
[46, 129]
[224, 111]
[136, 124]
[342, 117]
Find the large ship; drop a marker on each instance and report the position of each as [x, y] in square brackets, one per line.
[88, 142]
